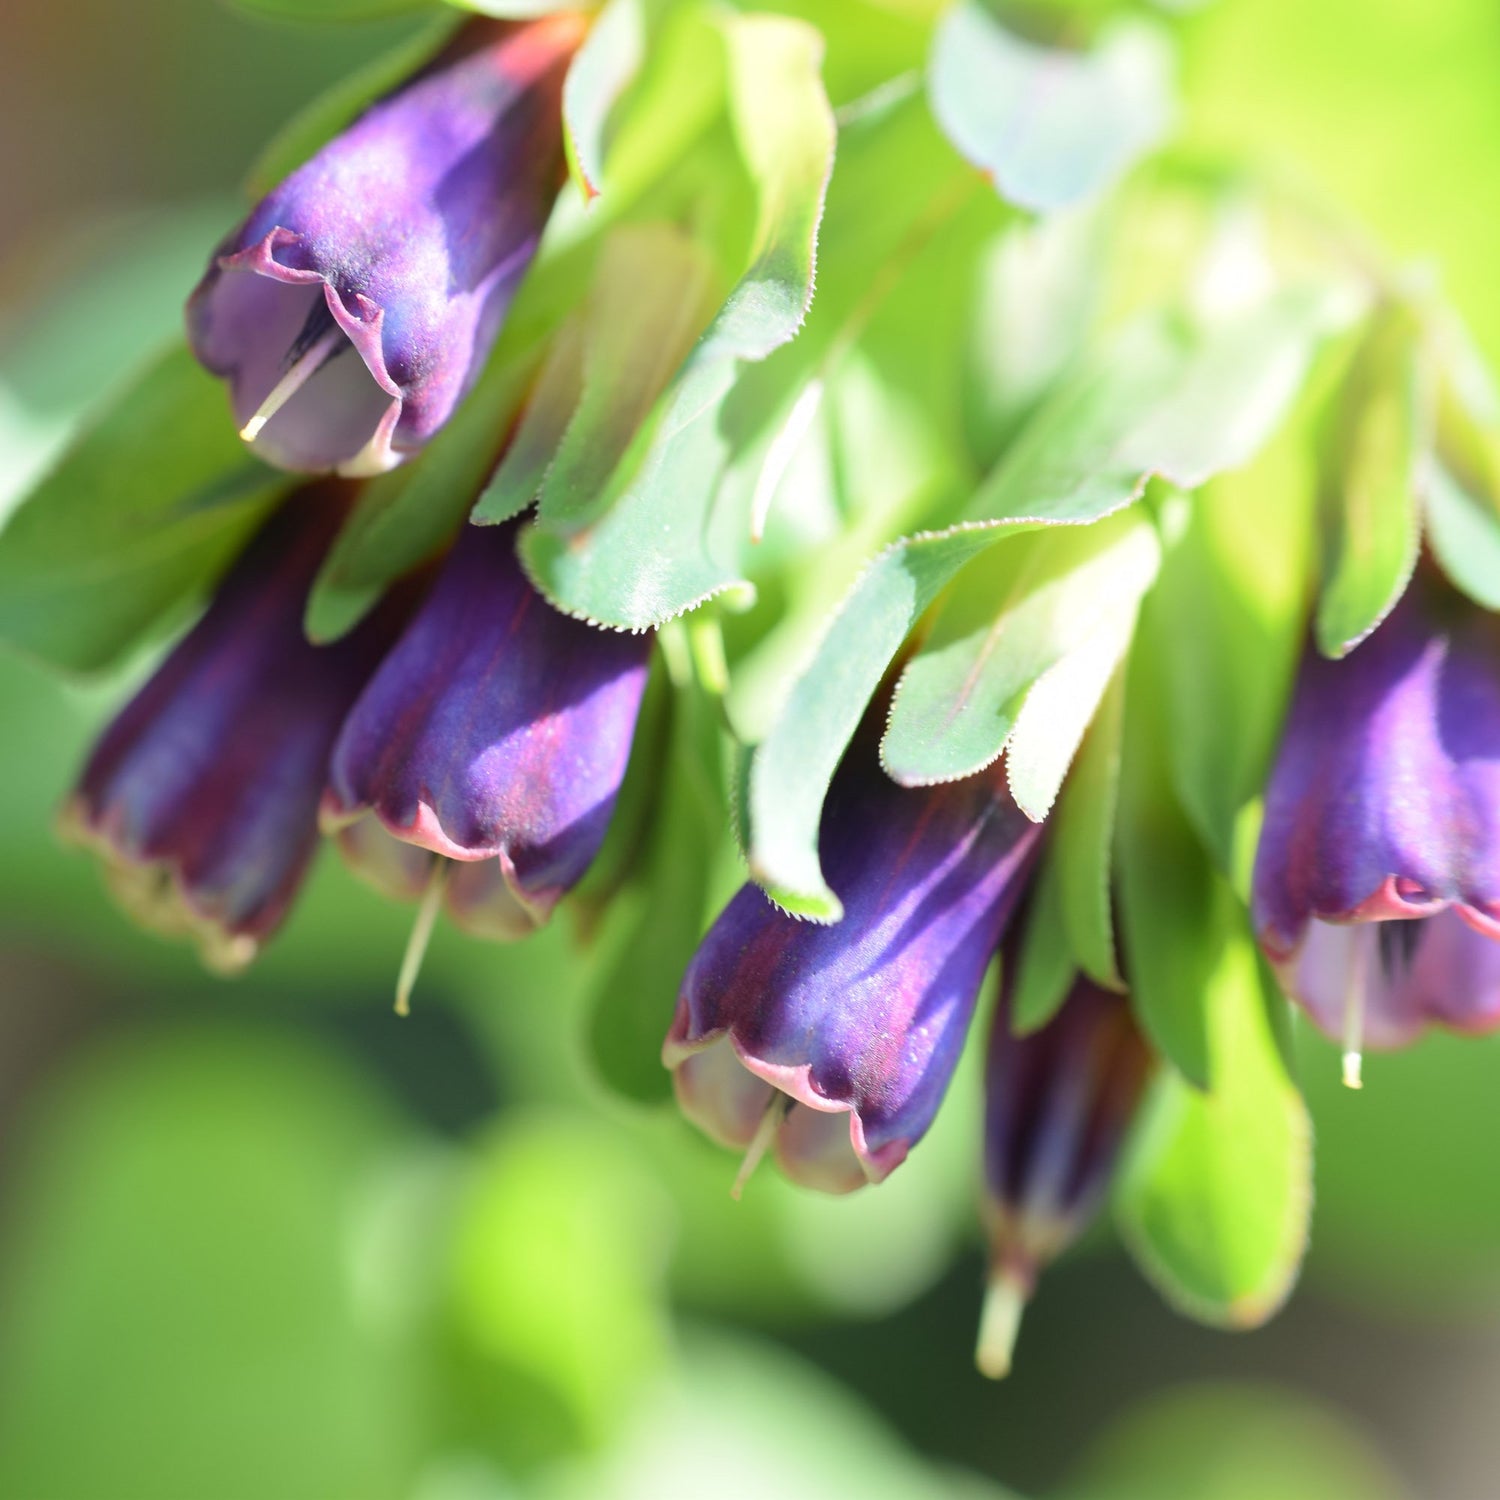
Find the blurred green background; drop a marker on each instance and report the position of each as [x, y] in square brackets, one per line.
[262, 1239]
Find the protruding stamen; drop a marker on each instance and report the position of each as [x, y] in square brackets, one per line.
[778, 1107]
[1354, 1008]
[1004, 1302]
[421, 934]
[303, 368]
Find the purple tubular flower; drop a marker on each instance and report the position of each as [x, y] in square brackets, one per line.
[497, 730]
[1377, 880]
[783, 1027]
[202, 796]
[1058, 1103]
[403, 240]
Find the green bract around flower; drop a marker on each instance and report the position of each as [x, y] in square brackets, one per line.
[357, 303]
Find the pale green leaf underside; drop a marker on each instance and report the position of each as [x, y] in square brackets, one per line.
[1464, 534]
[1372, 485]
[640, 551]
[1020, 643]
[1051, 126]
[1164, 400]
[608, 61]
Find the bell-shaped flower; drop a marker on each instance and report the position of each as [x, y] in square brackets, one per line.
[202, 796]
[496, 730]
[1058, 1103]
[832, 1046]
[356, 305]
[1377, 880]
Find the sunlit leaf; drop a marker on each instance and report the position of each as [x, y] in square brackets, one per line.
[604, 68]
[1049, 124]
[1464, 534]
[1215, 1200]
[1232, 598]
[1083, 839]
[659, 918]
[1045, 968]
[638, 552]
[1165, 399]
[1370, 482]
[1012, 618]
[1171, 924]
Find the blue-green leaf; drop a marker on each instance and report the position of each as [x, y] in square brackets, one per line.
[1010, 619]
[638, 552]
[1170, 919]
[1464, 534]
[604, 68]
[1166, 399]
[1050, 125]
[1083, 840]
[148, 504]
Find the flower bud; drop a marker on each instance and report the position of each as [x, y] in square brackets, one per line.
[1377, 880]
[496, 730]
[1058, 1103]
[357, 304]
[784, 1028]
[202, 796]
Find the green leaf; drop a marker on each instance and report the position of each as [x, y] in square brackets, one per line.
[518, 480]
[1051, 126]
[1379, 433]
[1058, 711]
[658, 920]
[313, 126]
[1038, 293]
[1011, 619]
[1464, 534]
[149, 503]
[406, 517]
[1165, 399]
[602, 71]
[1045, 969]
[1215, 1200]
[1171, 921]
[639, 552]
[649, 301]
[1083, 839]
[1232, 599]
[1467, 419]
[322, 11]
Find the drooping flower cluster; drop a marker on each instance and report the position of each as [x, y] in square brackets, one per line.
[478, 728]
[465, 744]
